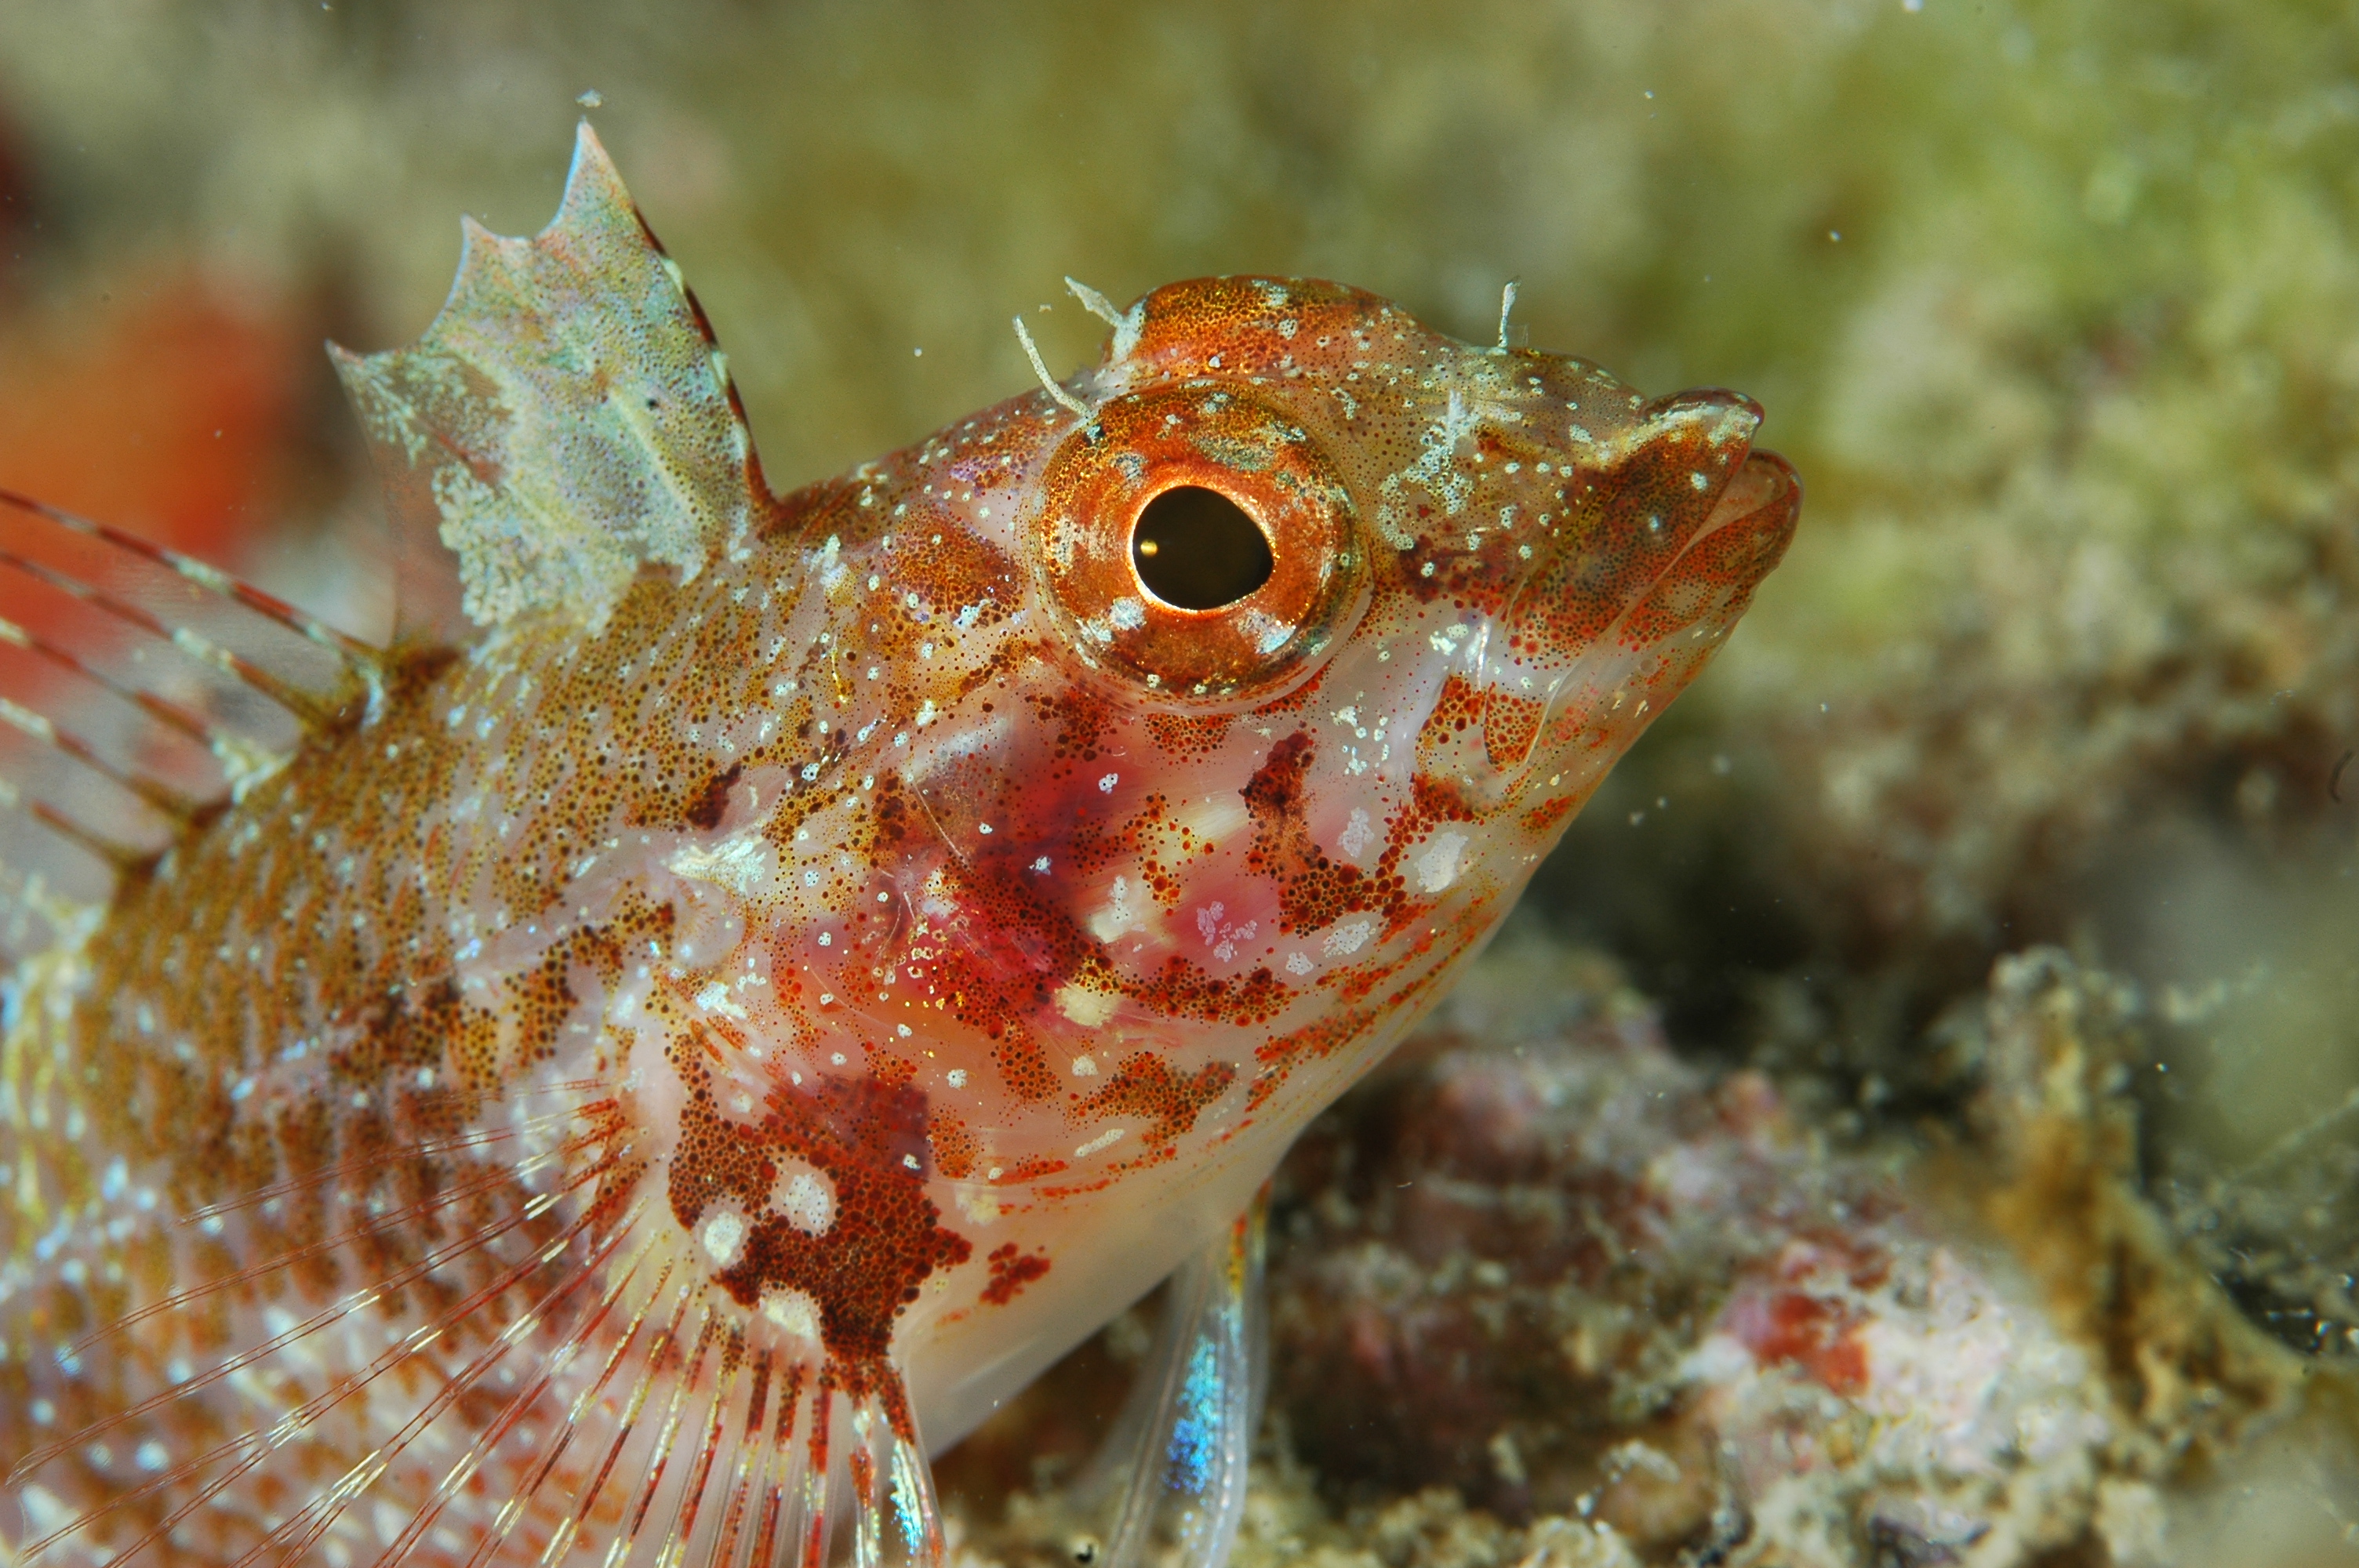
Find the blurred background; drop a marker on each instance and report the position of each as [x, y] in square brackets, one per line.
[2055, 307]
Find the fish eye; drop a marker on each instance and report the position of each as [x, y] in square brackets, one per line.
[1195, 544]
[1196, 549]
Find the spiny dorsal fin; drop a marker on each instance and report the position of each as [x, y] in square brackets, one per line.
[567, 417]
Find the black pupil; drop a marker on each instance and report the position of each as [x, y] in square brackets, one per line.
[1196, 548]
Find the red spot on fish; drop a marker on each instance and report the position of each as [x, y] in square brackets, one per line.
[1011, 1270]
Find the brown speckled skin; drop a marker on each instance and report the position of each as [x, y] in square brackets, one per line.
[862, 968]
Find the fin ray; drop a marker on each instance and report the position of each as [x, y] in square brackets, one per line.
[168, 679]
[394, 1153]
[248, 1449]
[896, 1522]
[361, 657]
[315, 701]
[337, 1312]
[295, 1535]
[626, 1420]
[324, 1245]
[519, 1405]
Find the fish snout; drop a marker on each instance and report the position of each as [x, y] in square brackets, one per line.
[1673, 524]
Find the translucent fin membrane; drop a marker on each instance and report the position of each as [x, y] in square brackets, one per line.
[339, 1359]
[895, 1519]
[138, 688]
[581, 1396]
[696, 1441]
[1170, 1479]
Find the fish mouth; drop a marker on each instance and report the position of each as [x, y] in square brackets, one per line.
[1743, 537]
[1615, 616]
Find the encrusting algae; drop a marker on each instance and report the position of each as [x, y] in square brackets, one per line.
[632, 1074]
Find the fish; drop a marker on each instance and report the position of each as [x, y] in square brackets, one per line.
[631, 1067]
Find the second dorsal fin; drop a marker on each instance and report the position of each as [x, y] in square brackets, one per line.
[567, 418]
[138, 690]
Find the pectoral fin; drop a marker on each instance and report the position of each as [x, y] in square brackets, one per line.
[139, 689]
[1170, 1479]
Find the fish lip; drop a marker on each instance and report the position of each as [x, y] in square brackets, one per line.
[1786, 494]
[1778, 489]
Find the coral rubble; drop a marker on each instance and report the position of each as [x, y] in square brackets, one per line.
[1545, 1288]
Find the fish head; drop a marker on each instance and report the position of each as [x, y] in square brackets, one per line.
[1372, 609]
[1289, 481]
[1240, 685]
[1268, 659]
[1210, 711]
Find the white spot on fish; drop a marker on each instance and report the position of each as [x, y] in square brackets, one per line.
[1348, 938]
[715, 998]
[1354, 837]
[807, 1201]
[1088, 1009]
[745, 863]
[724, 1237]
[793, 1311]
[1221, 937]
[1437, 867]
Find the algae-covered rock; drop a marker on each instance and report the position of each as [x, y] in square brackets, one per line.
[1543, 1281]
